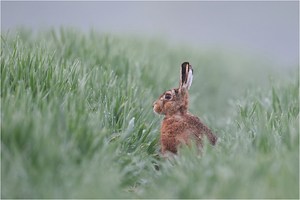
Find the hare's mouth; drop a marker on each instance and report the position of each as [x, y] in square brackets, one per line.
[156, 109]
[155, 112]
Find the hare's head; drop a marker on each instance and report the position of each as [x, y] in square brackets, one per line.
[175, 101]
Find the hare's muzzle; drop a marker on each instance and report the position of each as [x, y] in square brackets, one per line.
[156, 108]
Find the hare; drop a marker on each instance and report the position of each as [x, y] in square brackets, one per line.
[179, 126]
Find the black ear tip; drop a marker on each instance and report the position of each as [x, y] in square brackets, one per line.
[185, 64]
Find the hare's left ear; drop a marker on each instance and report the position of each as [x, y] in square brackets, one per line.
[186, 76]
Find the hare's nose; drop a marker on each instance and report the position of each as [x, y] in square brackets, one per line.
[153, 104]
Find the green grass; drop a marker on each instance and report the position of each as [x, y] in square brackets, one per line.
[77, 120]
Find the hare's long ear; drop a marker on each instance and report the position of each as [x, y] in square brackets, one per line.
[186, 76]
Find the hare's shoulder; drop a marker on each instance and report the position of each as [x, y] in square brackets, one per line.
[193, 119]
[195, 122]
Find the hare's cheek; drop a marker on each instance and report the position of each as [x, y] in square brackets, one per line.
[170, 107]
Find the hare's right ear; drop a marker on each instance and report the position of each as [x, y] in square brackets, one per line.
[186, 76]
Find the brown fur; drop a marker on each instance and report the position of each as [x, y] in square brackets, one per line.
[179, 126]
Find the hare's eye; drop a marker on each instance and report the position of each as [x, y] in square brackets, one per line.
[168, 96]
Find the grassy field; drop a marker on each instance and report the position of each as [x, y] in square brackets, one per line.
[77, 120]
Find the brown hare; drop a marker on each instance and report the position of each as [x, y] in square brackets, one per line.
[179, 126]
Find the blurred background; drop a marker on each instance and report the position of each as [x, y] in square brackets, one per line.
[77, 104]
[267, 29]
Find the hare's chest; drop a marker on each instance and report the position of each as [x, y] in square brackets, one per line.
[173, 132]
[173, 126]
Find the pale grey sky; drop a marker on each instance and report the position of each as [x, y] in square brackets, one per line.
[270, 29]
